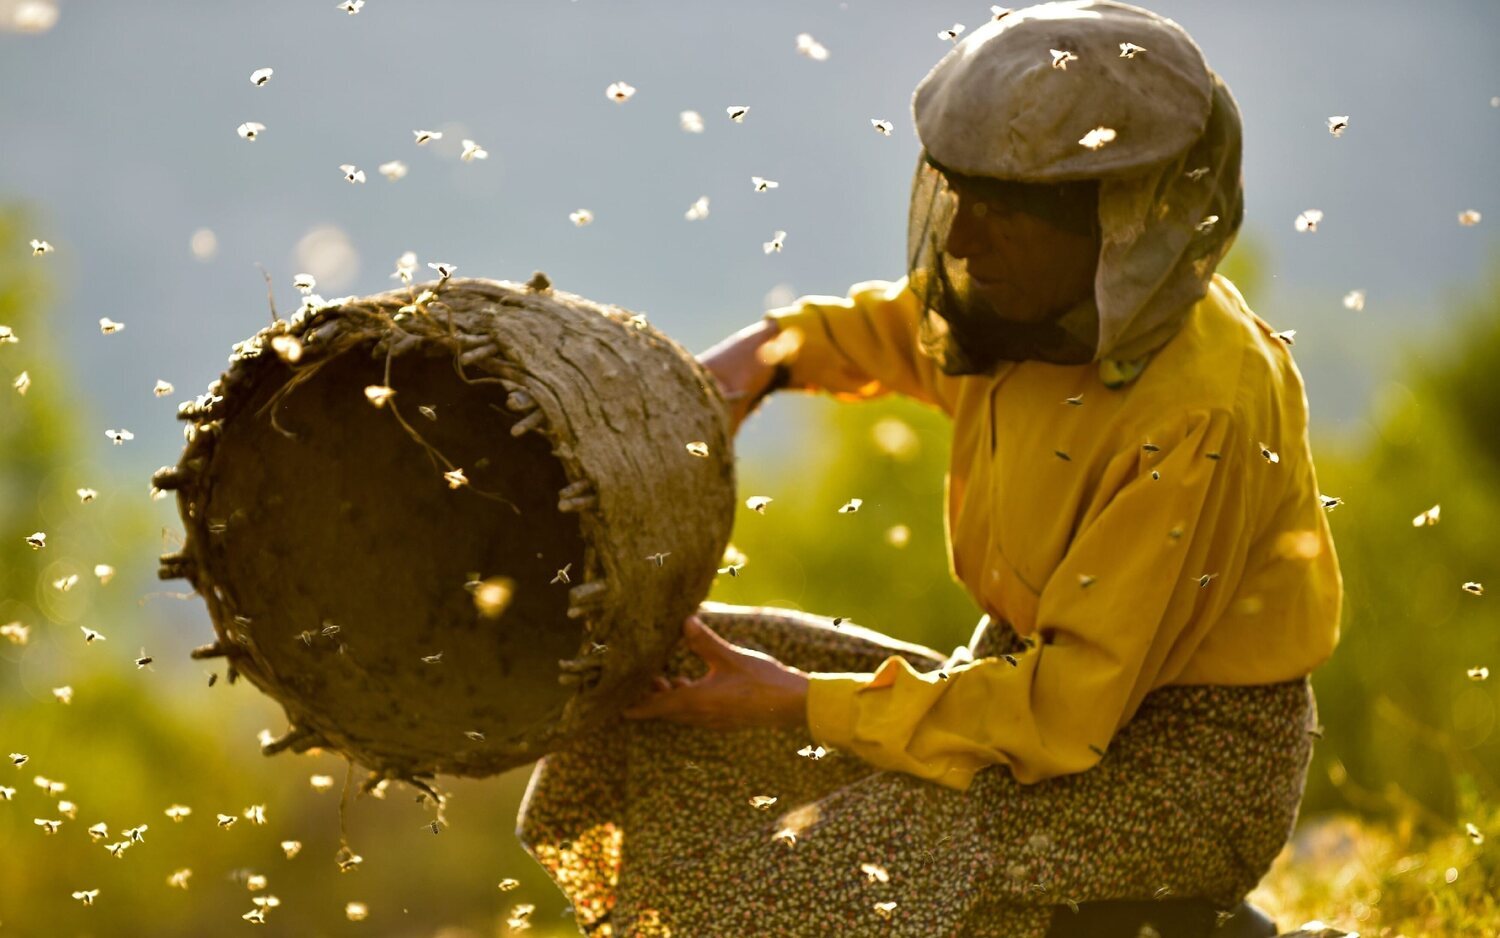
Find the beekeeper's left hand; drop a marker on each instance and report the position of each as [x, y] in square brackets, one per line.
[742, 688]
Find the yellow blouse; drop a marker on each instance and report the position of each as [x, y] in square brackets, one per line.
[1166, 532]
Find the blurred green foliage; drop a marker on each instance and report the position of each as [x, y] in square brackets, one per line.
[1410, 740]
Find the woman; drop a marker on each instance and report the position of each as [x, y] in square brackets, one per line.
[1131, 499]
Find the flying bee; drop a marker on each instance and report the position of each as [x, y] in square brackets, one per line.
[657, 558]
[144, 661]
[1061, 58]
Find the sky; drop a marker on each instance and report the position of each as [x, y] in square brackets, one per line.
[119, 140]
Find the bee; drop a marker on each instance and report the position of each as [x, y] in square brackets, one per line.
[143, 661]
[952, 33]
[875, 873]
[1308, 221]
[810, 47]
[1205, 579]
[119, 437]
[393, 170]
[691, 122]
[1062, 455]
[762, 802]
[1074, 401]
[351, 7]
[737, 112]
[1061, 58]
[38, 248]
[1086, 580]
[581, 217]
[1338, 124]
[775, 244]
[90, 636]
[698, 210]
[883, 128]
[475, 735]
[1428, 518]
[885, 909]
[562, 575]
[762, 184]
[250, 130]
[352, 173]
[812, 752]
[473, 151]
[1270, 455]
[37, 541]
[1129, 50]
[658, 558]
[260, 76]
[226, 821]
[851, 506]
[1329, 502]
[620, 92]
[425, 137]
[1097, 138]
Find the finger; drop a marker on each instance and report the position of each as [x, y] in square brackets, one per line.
[705, 642]
[652, 706]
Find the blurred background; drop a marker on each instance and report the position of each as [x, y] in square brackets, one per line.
[120, 150]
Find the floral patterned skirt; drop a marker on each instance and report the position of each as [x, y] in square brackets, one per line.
[652, 828]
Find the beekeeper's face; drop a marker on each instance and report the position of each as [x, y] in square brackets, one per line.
[1030, 253]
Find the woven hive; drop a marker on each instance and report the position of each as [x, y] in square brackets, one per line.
[336, 558]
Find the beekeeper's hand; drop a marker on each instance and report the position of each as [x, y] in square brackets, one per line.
[742, 688]
[739, 364]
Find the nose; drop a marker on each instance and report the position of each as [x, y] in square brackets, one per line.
[966, 233]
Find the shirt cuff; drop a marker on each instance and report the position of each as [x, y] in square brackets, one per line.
[831, 709]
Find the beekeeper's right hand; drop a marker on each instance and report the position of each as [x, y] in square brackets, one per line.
[744, 376]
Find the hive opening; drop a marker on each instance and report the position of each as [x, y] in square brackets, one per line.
[327, 514]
